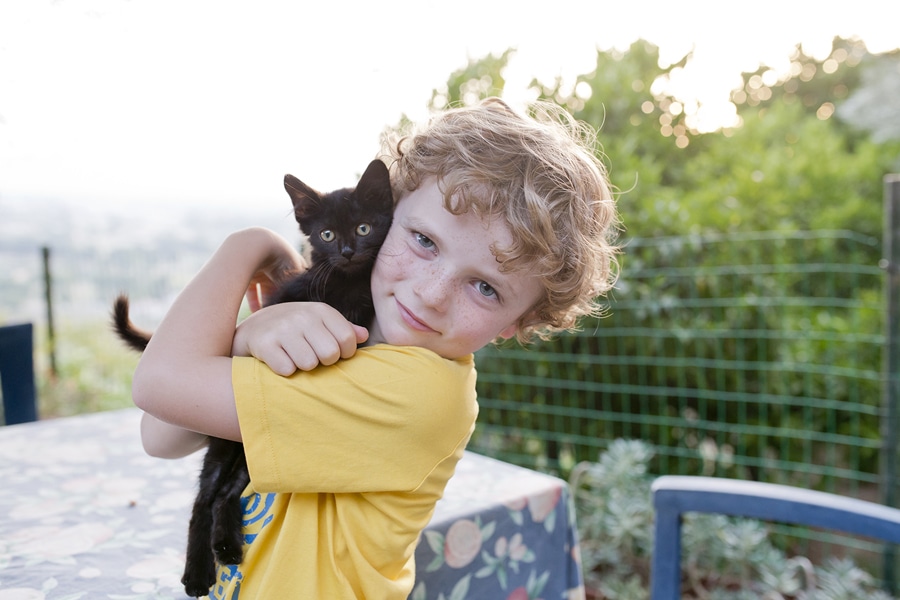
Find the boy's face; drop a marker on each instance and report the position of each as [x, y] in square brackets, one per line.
[436, 283]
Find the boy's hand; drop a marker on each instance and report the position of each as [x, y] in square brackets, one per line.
[297, 335]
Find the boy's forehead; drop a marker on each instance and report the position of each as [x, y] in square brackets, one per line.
[426, 206]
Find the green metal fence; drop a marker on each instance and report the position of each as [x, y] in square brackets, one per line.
[744, 355]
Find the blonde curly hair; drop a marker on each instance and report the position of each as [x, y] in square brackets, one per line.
[540, 175]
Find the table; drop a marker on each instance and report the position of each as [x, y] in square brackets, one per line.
[84, 514]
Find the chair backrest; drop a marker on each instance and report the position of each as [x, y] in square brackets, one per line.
[17, 373]
[676, 495]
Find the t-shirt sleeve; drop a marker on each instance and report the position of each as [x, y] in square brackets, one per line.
[380, 421]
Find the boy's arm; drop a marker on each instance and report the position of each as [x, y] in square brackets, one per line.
[184, 375]
[168, 441]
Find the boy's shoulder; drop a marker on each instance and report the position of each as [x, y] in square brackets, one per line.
[413, 372]
[405, 357]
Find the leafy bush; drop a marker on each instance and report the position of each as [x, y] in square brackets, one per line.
[724, 558]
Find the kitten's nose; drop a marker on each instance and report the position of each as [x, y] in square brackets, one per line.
[347, 252]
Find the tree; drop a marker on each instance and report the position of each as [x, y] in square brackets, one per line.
[642, 132]
[790, 166]
[478, 80]
[872, 107]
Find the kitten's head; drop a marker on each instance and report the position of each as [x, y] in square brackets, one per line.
[346, 227]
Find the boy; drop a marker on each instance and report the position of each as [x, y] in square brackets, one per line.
[502, 228]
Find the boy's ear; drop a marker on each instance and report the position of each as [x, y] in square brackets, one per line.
[513, 329]
[509, 331]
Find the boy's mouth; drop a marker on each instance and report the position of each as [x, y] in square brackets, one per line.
[412, 320]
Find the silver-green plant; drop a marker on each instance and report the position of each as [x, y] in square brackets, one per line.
[724, 558]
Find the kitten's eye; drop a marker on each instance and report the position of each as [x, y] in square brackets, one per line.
[486, 289]
[363, 229]
[424, 241]
[327, 235]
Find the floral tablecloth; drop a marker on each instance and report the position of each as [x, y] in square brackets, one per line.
[84, 513]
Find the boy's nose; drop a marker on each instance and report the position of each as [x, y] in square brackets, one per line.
[433, 291]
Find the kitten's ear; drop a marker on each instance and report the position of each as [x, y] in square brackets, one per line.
[303, 196]
[375, 184]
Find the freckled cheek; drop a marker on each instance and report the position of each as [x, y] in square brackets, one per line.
[393, 262]
[437, 283]
[482, 327]
[471, 327]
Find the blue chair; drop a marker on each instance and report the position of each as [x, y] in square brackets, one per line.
[17, 373]
[676, 495]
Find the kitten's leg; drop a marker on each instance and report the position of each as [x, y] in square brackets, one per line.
[200, 565]
[227, 514]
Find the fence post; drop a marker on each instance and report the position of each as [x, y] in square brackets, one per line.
[890, 262]
[48, 297]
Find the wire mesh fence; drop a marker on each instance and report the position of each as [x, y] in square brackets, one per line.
[745, 355]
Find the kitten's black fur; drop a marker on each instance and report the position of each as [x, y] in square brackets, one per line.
[346, 229]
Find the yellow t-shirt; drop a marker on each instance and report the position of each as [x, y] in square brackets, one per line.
[346, 464]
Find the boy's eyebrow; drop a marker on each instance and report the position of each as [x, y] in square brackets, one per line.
[413, 222]
[500, 280]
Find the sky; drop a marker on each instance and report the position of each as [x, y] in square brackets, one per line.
[164, 103]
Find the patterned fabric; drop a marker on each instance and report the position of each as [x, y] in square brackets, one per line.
[85, 514]
[500, 532]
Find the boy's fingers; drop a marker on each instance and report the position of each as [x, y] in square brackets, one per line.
[277, 357]
[325, 348]
[301, 336]
[304, 357]
[330, 344]
[282, 364]
[347, 338]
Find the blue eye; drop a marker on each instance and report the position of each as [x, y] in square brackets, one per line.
[486, 289]
[424, 241]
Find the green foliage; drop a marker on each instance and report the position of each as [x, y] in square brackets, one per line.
[723, 557]
[790, 166]
[747, 321]
[643, 134]
[785, 171]
[478, 80]
[815, 85]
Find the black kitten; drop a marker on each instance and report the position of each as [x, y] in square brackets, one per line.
[346, 229]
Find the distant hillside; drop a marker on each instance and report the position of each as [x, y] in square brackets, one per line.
[95, 253]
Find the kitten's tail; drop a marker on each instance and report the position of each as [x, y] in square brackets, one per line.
[130, 334]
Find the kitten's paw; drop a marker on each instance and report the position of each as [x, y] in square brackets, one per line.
[199, 580]
[229, 552]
